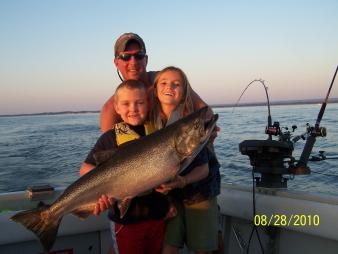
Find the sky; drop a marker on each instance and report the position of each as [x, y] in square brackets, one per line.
[58, 55]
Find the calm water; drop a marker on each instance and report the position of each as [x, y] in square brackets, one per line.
[50, 149]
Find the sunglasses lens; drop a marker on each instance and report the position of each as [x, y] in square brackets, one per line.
[126, 57]
[139, 55]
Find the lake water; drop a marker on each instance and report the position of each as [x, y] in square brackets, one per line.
[49, 149]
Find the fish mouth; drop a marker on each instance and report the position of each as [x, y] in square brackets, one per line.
[209, 119]
[209, 125]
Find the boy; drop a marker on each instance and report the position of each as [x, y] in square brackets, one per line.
[141, 229]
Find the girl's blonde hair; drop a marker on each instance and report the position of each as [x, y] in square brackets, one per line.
[157, 117]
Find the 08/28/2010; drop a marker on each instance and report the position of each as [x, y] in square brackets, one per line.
[283, 220]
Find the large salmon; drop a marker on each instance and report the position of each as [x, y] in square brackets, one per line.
[134, 168]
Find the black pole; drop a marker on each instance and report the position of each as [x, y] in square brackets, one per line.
[321, 112]
[310, 141]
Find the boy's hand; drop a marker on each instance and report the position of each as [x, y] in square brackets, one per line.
[103, 204]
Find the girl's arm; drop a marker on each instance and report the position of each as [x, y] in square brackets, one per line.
[197, 174]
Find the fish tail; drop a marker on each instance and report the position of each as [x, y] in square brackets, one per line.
[41, 223]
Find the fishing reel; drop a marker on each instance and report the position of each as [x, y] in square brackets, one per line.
[316, 131]
[273, 158]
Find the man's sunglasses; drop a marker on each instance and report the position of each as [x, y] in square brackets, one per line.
[126, 56]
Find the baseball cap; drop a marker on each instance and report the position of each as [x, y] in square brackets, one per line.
[122, 41]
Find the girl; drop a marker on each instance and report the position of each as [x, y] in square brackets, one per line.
[195, 190]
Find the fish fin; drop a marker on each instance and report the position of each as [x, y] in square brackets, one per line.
[123, 206]
[84, 211]
[102, 156]
[40, 222]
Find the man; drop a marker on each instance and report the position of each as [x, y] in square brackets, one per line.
[131, 61]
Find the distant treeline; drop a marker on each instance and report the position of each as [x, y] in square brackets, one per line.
[249, 104]
[288, 102]
[53, 113]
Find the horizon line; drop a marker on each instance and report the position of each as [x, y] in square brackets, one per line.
[218, 105]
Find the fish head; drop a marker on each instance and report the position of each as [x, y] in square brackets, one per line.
[193, 132]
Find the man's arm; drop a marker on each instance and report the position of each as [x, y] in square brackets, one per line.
[108, 115]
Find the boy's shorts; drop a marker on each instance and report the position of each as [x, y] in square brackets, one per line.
[195, 225]
[138, 238]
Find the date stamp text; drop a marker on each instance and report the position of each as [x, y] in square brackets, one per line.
[283, 220]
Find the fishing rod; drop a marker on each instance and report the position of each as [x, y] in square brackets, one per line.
[262, 82]
[314, 132]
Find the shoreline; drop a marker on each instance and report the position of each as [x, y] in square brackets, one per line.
[248, 104]
[276, 103]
